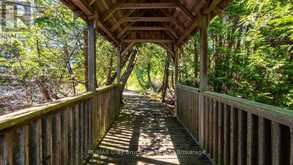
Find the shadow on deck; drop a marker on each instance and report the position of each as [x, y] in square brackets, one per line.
[147, 133]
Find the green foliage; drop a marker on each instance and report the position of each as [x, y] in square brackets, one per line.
[150, 62]
[251, 52]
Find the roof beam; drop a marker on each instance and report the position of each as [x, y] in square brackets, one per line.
[122, 32]
[153, 28]
[150, 28]
[186, 11]
[83, 7]
[105, 30]
[129, 46]
[141, 19]
[146, 19]
[147, 40]
[86, 9]
[174, 20]
[109, 13]
[212, 6]
[167, 48]
[172, 32]
[150, 5]
[122, 5]
[187, 32]
[147, 28]
[193, 25]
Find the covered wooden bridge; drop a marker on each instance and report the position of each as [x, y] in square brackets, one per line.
[209, 128]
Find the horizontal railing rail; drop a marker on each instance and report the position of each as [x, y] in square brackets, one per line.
[61, 132]
[235, 130]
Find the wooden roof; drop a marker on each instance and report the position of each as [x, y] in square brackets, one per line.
[166, 22]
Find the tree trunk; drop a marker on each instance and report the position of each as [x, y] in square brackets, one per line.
[173, 80]
[165, 78]
[128, 70]
[44, 90]
[149, 77]
[123, 63]
[109, 74]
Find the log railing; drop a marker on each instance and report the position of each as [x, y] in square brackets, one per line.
[235, 131]
[58, 133]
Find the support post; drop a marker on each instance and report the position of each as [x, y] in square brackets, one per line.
[91, 58]
[92, 78]
[176, 66]
[204, 54]
[176, 80]
[203, 72]
[119, 54]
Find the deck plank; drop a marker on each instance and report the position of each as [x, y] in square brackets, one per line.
[147, 133]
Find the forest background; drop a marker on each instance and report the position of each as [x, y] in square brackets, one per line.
[250, 52]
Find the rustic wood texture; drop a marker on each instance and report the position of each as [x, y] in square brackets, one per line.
[235, 131]
[246, 132]
[118, 20]
[146, 132]
[276, 144]
[291, 146]
[57, 133]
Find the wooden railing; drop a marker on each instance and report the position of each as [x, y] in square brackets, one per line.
[235, 131]
[58, 133]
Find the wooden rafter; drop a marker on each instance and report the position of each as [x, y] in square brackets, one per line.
[149, 5]
[174, 20]
[187, 32]
[86, 9]
[167, 48]
[121, 33]
[172, 32]
[109, 13]
[141, 19]
[148, 28]
[128, 47]
[107, 6]
[212, 6]
[145, 19]
[192, 27]
[160, 26]
[147, 40]
[108, 33]
[83, 7]
[186, 11]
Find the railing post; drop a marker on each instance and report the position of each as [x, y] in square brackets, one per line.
[176, 66]
[203, 72]
[119, 51]
[176, 77]
[92, 75]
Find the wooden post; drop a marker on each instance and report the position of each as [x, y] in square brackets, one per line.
[203, 71]
[176, 78]
[204, 54]
[92, 76]
[179, 55]
[119, 64]
[176, 66]
[91, 58]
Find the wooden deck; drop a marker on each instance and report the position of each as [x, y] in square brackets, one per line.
[147, 133]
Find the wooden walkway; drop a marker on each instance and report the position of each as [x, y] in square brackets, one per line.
[147, 133]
